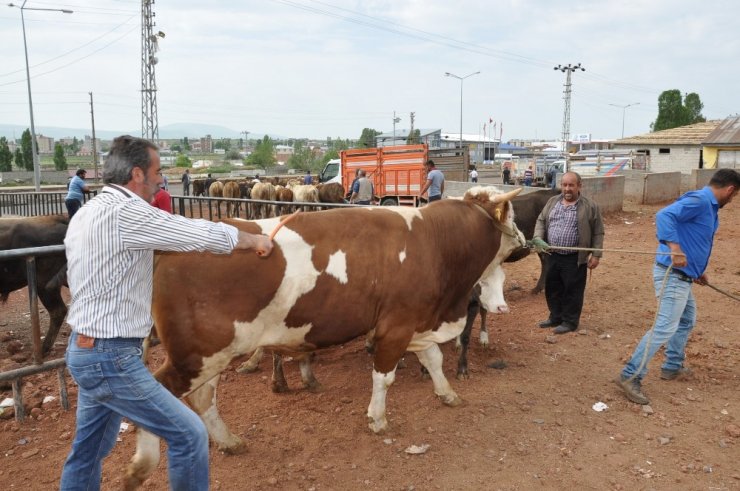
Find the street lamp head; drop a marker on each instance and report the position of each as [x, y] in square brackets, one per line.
[64, 11]
[447, 74]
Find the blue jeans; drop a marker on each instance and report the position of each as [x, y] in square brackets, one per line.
[675, 320]
[114, 383]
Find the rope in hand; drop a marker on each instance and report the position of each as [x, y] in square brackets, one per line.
[283, 220]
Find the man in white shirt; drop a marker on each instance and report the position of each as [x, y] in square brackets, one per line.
[110, 258]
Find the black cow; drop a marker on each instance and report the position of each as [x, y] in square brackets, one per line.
[16, 233]
[527, 208]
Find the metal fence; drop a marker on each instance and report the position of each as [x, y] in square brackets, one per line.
[219, 208]
[16, 376]
[30, 204]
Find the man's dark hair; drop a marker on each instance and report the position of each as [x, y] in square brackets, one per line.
[127, 152]
[80, 172]
[725, 177]
[430, 163]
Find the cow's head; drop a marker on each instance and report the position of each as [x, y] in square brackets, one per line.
[498, 206]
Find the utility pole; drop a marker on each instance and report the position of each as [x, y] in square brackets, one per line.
[624, 109]
[410, 139]
[246, 139]
[395, 120]
[568, 69]
[94, 145]
[149, 46]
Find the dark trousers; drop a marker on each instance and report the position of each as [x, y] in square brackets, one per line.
[436, 197]
[72, 206]
[186, 189]
[565, 283]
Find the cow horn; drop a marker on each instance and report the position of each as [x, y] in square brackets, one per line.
[500, 198]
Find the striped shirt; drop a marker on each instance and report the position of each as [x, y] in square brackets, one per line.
[563, 229]
[110, 257]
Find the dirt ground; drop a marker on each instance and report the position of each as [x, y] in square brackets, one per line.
[528, 426]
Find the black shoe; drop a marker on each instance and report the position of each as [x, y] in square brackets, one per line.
[563, 328]
[547, 324]
[632, 389]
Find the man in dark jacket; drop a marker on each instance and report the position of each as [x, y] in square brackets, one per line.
[569, 220]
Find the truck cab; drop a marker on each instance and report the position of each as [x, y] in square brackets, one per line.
[332, 172]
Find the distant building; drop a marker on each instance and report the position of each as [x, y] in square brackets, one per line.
[45, 144]
[722, 146]
[87, 146]
[206, 144]
[432, 137]
[675, 149]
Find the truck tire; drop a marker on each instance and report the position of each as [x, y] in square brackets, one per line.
[388, 202]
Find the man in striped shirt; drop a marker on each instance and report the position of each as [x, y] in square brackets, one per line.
[569, 220]
[110, 256]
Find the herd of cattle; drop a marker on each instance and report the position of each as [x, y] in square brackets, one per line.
[355, 263]
[269, 189]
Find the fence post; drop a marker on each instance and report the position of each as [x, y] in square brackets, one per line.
[33, 301]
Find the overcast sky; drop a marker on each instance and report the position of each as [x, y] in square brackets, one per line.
[330, 68]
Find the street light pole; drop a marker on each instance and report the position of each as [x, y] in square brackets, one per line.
[395, 120]
[624, 109]
[34, 145]
[461, 79]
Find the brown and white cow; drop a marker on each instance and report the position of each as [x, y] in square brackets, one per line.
[407, 273]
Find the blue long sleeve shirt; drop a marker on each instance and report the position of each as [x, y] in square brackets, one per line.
[691, 221]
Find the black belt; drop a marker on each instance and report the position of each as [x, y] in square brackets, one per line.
[681, 275]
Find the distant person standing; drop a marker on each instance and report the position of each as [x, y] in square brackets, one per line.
[506, 175]
[362, 190]
[209, 181]
[473, 175]
[435, 182]
[186, 182]
[75, 195]
[166, 183]
[528, 176]
[307, 179]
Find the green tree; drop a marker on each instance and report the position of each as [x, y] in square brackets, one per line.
[263, 155]
[693, 108]
[232, 154]
[18, 157]
[675, 111]
[60, 161]
[6, 156]
[414, 137]
[182, 160]
[27, 150]
[367, 138]
[303, 157]
[334, 147]
[185, 143]
[224, 143]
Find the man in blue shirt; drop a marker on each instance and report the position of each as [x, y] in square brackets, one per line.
[685, 228]
[75, 195]
[307, 179]
[435, 182]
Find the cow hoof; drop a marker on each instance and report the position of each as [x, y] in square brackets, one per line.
[377, 427]
[314, 387]
[463, 375]
[370, 348]
[536, 291]
[247, 368]
[451, 400]
[278, 388]
[131, 482]
[425, 376]
[401, 363]
[236, 447]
